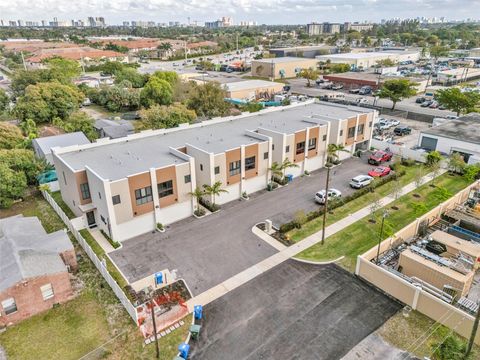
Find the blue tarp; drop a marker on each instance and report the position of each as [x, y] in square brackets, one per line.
[47, 177]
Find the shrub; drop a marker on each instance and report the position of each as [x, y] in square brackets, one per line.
[199, 212]
[272, 186]
[209, 205]
[408, 162]
[280, 181]
[115, 244]
[160, 226]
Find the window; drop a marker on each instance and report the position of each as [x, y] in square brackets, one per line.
[250, 163]
[324, 138]
[64, 178]
[312, 144]
[341, 132]
[47, 291]
[360, 129]
[300, 147]
[370, 124]
[143, 196]
[165, 188]
[99, 195]
[351, 132]
[116, 199]
[217, 170]
[201, 167]
[9, 306]
[103, 219]
[188, 178]
[234, 167]
[85, 190]
[287, 148]
[265, 155]
[273, 146]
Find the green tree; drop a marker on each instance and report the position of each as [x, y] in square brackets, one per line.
[333, 152]
[169, 76]
[433, 157]
[156, 91]
[21, 79]
[78, 121]
[275, 170]
[456, 163]
[44, 101]
[339, 68]
[115, 98]
[10, 136]
[12, 186]
[457, 101]
[112, 67]
[197, 194]
[24, 161]
[397, 90]
[132, 75]
[162, 116]
[208, 100]
[214, 190]
[309, 75]
[4, 100]
[287, 164]
[385, 63]
[471, 172]
[62, 70]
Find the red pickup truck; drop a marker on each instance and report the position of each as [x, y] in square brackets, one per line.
[379, 157]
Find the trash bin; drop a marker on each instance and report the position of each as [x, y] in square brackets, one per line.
[195, 331]
[184, 349]
[289, 177]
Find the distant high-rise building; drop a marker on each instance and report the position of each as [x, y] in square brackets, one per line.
[356, 26]
[44, 23]
[91, 21]
[12, 23]
[314, 29]
[21, 23]
[100, 21]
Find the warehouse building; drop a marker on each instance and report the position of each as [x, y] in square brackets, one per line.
[126, 186]
[281, 68]
[252, 89]
[366, 60]
[304, 51]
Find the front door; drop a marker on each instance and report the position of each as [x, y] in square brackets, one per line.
[91, 219]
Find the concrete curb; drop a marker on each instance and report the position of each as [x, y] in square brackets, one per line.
[318, 262]
[267, 238]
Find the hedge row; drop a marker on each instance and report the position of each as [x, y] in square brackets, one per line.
[209, 205]
[333, 204]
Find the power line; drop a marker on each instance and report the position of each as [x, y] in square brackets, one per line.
[101, 346]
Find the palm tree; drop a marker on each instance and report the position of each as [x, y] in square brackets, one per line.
[197, 194]
[214, 190]
[286, 164]
[275, 170]
[164, 47]
[333, 151]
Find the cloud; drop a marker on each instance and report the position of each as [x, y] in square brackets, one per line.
[272, 11]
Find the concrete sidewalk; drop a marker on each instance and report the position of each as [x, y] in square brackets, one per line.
[283, 255]
[100, 239]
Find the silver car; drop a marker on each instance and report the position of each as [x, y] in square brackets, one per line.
[332, 194]
[361, 181]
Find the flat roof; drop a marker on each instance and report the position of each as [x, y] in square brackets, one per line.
[114, 160]
[364, 55]
[304, 48]
[48, 142]
[465, 128]
[467, 247]
[285, 59]
[250, 84]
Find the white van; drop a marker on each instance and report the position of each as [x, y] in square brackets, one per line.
[333, 96]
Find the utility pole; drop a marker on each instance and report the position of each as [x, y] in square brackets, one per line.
[385, 214]
[325, 209]
[157, 350]
[474, 332]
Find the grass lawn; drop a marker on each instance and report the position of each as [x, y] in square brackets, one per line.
[57, 196]
[363, 235]
[407, 333]
[352, 206]
[85, 323]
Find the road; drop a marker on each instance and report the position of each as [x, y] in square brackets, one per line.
[299, 86]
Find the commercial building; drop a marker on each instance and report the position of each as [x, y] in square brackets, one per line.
[356, 26]
[252, 89]
[460, 135]
[43, 146]
[34, 268]
[457, 75]
[126, 186]
[366, 60]
[280, 68]
[353, 80]
[303, 51]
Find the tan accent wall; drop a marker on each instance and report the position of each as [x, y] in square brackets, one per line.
[230, 156]
[362, 119]
[138, 182]
[256, 92]
[350, 123]
[313, 133]
[221, 162]
[264, 68]
[183, 149]
[183, 189]
[81, 178]
[123, 211]
[262, 164]
[166, 174]
[252, 150]
[299, 137]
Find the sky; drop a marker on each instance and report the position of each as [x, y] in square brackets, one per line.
[264, 12]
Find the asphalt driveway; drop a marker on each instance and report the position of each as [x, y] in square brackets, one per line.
[293, 311]
[210, 250]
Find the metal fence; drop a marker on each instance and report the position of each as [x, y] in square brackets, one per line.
[99, 264]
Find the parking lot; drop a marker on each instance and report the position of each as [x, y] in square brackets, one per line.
[408, 141]
[293, 311]
[210, 250]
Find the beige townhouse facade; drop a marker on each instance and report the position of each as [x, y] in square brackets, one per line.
[126, 186]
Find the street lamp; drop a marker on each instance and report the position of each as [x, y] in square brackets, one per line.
[384, 215]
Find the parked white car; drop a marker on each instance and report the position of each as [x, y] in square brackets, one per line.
[361, 181]
[332, 194]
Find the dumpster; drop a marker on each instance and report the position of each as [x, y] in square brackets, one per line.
[195, 331]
